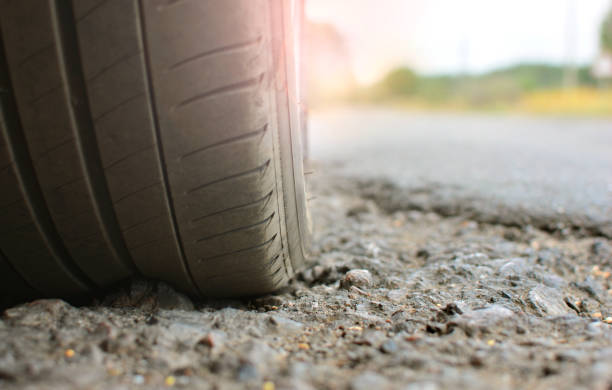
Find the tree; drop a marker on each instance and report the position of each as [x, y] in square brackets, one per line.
[606, 33]
[400, 81]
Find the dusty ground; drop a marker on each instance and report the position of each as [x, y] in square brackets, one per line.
[445, 302]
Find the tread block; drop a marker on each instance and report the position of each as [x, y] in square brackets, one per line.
[46, 125]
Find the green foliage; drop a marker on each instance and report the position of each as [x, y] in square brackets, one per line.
[502, 86]
[529, 76]
[606, 33]
[400, 81]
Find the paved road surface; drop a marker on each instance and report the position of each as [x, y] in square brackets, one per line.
[540, 170]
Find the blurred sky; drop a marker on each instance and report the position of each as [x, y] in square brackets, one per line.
[450, 36]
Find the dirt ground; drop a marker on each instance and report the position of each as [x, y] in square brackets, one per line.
[396, 298]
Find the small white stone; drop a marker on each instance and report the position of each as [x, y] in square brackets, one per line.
[138, 379]
[357, 277]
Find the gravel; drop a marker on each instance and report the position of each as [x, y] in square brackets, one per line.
[358, 278]
[395, 298]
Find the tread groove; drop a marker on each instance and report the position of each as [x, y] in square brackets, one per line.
[45, 94]
[222, 90]
[265, 199]
[54, 148]
[218, 50]
[136, 192]
[117, 106]
[65, 184]
[277, 271]
[228, 141]
[169, 4]
[10, 204]
[168, 198]
[128, 156]
[156, 240]
[268, 242]
[128, 228]
[5, 168]
[112, 65]
[35, 53]
[259, 169]
[64, 28]
[91, 10]
[266, 267]
[30, 188]
[238, 229]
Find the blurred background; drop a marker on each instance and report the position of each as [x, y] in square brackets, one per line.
[542, 57]
[498, 109]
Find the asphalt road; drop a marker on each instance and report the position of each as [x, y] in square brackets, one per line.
[554, 172]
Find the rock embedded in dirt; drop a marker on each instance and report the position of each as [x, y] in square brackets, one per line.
[361, 278]
[170, 299]
[358, 209]
[389, 346]
[547, 302]
[591, 287]
[397, 295]
[285, 325]
[42, 312]
[139, 290]
[212, 340]
[602, 248]
[515, 268]
[482, 320]
[372, 338]
[369, 381]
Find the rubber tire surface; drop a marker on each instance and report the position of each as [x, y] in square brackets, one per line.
[154, 137]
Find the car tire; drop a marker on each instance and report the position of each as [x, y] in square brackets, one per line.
[151, 137]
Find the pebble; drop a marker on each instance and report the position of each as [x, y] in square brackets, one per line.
[389, 346]
[140, 289]
[268, 386]
[185, 332]
[601, 248]
[551, 280]
[372, 338]
[368, 381]
[547, 301]
[213, 340]
[591, 287]
[358, 277]
[483, 319]
[269, 300]
[397, 295]
[318, 274]
[362, 208]
[422, 386]
[138, 379]
[596, 328]
[170, 381]
[285, 325]
[247, 372]
[42, 312]
[170, 299]
[515, 268]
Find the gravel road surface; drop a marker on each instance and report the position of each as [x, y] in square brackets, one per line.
[401, 294]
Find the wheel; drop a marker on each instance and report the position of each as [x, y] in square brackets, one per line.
[153, 137]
